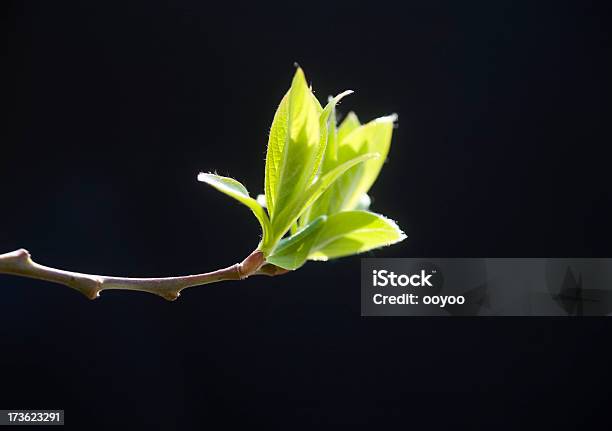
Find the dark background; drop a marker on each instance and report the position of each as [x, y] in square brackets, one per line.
[111, 110]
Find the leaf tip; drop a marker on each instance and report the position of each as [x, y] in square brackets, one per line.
[344, 94]
[299, 74]
[352, 117]
[206, 177]
[400, 233]
[392, 118]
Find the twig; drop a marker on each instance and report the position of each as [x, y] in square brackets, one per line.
[20, 263]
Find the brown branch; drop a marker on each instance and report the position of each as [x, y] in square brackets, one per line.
[20, 263]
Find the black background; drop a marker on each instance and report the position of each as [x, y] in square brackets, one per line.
[111, 110]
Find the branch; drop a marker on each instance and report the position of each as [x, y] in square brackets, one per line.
[20, 263]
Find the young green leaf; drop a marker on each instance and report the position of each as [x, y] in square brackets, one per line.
[350, 123]
[292, 252]
[353, 139]
[374, 136]
[235, 189]
[329, 136]
[352, 232]
[294, 146]
[327, 122]
[289, 214]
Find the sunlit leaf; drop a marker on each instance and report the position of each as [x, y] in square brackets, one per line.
[327, 122]
[294, 146]
[352, 232]
[350, 123]
[276, 142]
[317, 171]
[235, 189]
[292, 252]
[329, 135]
[374, 136]
[290, 214]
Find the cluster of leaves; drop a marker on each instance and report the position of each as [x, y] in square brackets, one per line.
[316, 182]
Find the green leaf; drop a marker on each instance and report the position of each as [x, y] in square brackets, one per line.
[327, 122]
[352, 232]
[235, 189]
[276, 142]
[294, 146]
[288, 215]
[348, 191]
[292, 252]
[329, 136]
[350, 123]
[374, 136]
